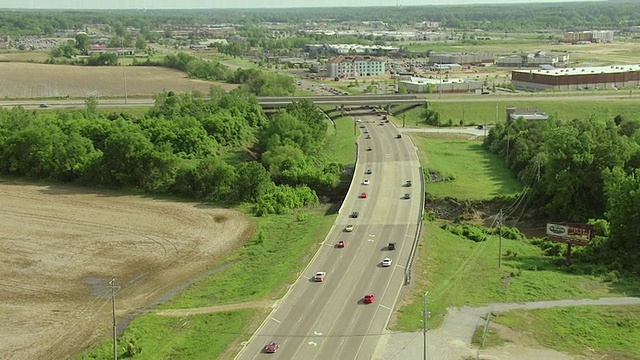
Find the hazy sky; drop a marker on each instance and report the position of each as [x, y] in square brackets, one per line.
[210, 4]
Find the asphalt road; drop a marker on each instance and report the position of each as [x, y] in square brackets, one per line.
[328, 320]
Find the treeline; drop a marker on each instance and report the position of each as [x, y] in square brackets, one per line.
[261, 83]
[182, 146]
[580, 170]
[503, 17]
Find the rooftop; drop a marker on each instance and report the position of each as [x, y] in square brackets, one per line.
[612, 69]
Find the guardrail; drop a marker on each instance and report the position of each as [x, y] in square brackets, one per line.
[418, 236]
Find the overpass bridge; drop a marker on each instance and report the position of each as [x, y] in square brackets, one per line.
[343, 101]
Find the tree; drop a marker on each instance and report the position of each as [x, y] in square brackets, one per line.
[141, 43]
[91, 102]
[82, 43]
[253, 181]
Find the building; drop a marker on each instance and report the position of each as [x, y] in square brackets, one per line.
[614, 76]
[536, 59]
[466, 59]
[354, 66]
[102, 49]
[424, 85]
[577, 37]
[530, 114]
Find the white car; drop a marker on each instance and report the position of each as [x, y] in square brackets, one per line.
[386, 262]
[320, 275]
[348, 228]
[366, 182]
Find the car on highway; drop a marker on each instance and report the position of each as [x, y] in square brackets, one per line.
[44, 105]
[366, 182]
[341, 244]
[368, 172]
[391, 246]
[407, 196]
[369, 148]
[319, 276]
[386, 262]
[368, 299]
[366, 131]
[368, 136]
[348, 228]
[363, 196]
[355, 214]
[398, 136]
[408, 183]
[272, 347]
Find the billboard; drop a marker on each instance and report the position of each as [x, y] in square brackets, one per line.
[578, 234]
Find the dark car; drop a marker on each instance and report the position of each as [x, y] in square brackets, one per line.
[398, 136]
[272, 347]
[368, 171]
[355, 214]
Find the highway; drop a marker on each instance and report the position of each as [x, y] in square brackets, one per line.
[328, 320]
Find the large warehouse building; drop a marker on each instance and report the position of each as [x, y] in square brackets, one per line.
[614, 76]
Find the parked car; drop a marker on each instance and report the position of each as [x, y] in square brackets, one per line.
[319, 276]
[272, 347]
[386, 262]
[341, 244]
[348, 228]
[368, 299]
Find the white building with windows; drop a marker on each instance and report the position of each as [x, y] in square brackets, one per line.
[355, 66]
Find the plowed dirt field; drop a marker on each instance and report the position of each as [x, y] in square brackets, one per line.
[60, 246]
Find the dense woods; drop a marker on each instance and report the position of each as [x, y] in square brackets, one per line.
[181, 146]
[504, 17]
[579, 171]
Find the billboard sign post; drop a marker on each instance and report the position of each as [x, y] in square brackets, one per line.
[571, 234]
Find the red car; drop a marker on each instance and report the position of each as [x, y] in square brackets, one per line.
[272, 347]
[363, 196]
[341, 244]
[368, 299]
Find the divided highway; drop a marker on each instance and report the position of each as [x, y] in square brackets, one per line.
[328, 320]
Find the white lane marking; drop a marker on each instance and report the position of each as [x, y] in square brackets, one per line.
[312, 343]
[400, 266]
[276, 320]
[318, 333]
[386, 307]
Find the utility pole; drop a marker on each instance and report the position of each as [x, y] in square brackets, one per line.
[124, 72]
[500, 242]
[113, 313]
[425, 316]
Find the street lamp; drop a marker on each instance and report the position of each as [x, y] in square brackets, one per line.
[124, 73]
[425, 315]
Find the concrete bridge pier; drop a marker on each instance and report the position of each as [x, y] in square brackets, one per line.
[389, 108]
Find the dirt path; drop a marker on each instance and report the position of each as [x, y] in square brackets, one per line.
[452, 341]
[217, 308]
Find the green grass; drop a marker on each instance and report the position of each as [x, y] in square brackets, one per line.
[491, 340]
[342, 141]
[598, 331]
[477, 173]
[480, 112]
[459, 272]
[288, 243]
[154, 337]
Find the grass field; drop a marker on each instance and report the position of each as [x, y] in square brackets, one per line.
[263, 268]
[603, 331]
[470, 276]
[342, 141]
[477, 173]
[473, 113]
